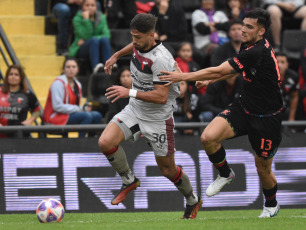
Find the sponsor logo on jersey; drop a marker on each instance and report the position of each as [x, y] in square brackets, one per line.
[19, 99]
[226, 112]
[238, 63]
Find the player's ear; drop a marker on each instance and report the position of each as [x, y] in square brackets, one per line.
[152, 34]
[261, 31]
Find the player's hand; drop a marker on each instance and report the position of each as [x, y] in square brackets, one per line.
[109, 64]
[200, 84]
[172, 77]
[117, 92]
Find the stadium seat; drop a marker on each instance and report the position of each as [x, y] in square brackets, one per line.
[120, 38]
[97, 85]
[293, 43]
[190, 5]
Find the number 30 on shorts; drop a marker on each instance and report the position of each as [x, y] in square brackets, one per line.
[159, 138]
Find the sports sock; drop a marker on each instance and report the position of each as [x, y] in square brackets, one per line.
[270, 196]
[182, 182]
[117, 159]
[219, 161]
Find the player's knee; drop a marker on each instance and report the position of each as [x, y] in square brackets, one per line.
[207, 138]
[167, 172]
[105, 144]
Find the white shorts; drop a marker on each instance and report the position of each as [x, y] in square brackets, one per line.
[159, 134]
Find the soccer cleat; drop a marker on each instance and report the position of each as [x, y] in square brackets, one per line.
[269, 211]
[125, 189]
[216, 186]
[191, 211]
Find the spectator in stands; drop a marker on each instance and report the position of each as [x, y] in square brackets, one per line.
[91, 35]
[171, 27]
[289, 86]
[284, 8]
[302, 70]
[209, 27]
[64, 11]
[236, 9]
[122, 77]
[120, 9]
[218, 96]
[302, 86]
[64, 98]
[185, 109]
[184, 58]
[16, 100]
[187, 64]
[230, 48]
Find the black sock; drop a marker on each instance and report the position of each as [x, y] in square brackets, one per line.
[219, 161]
[270, 196]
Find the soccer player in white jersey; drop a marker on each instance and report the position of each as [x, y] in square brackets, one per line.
[149, 113]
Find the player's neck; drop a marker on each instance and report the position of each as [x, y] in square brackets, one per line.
[149, 47]
[253, 42]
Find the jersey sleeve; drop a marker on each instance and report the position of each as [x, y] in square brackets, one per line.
[160, 64]
[33, 102]
[246, 59]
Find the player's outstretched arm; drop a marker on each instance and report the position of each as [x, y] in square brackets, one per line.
[113, 59]
[212, 73]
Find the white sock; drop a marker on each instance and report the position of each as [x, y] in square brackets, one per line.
[192, 199]
[128, 177]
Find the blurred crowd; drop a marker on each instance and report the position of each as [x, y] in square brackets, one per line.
[203, 37]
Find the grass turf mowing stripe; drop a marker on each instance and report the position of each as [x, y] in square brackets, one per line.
[225, 220]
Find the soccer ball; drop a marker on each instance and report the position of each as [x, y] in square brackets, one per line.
[50, 210]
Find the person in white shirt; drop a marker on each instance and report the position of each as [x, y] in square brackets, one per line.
[284, 8]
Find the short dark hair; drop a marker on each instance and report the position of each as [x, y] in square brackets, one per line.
[282, 54]
[117, 75]
[262, 16]
[234, 22]
[144, 23]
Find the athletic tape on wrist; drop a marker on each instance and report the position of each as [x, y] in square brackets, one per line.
[133, 93]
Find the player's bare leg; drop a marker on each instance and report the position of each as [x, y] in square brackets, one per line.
[269, 184]
[218, 130]
[109, 142]
[180, 179]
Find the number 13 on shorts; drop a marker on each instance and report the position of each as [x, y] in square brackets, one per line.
[266, 145]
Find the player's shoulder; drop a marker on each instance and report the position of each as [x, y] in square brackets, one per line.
[160, 52]
[256, 49]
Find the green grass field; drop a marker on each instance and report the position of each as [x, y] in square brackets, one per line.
[246, 219]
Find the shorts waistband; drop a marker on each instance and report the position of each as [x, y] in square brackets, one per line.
[262, 115]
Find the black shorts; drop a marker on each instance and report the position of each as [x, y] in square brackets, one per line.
[264, 132]
[286, 14]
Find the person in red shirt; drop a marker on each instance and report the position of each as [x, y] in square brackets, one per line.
[63, 102]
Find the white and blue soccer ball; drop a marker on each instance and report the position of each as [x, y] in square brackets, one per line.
[50, 210]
